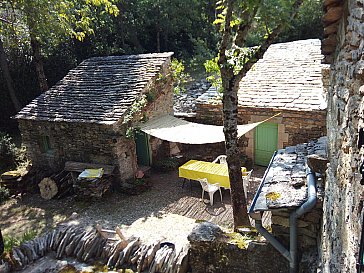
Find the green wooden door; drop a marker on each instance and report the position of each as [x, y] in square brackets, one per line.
[266, 139]
[142, 148]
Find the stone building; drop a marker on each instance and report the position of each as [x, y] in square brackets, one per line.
[288, 80]
[87, 115]
[343, 203]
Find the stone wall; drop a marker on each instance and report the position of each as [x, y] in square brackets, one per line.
[294, 127]
[308, 235]
[343, 201]
[333, 11]
[212, 251]
[92, 143]
[83, 142]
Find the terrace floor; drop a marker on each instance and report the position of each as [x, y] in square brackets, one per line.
[166, 210]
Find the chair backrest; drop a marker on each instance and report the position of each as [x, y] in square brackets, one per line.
[246, 179]
[221, 159]
[204, 183]
[246, 175]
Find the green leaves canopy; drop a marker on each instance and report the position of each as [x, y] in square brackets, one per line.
[51, 21]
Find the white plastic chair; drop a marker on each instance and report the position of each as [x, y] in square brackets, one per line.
[246, 179]
[221, 159]
[210, 188]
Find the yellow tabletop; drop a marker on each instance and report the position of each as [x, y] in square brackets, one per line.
[214, 172]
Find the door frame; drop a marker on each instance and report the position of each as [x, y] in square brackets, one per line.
[282, 135]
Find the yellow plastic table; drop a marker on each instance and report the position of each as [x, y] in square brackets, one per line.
[214, 172]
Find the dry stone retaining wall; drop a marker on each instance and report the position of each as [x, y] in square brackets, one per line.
[90, 247]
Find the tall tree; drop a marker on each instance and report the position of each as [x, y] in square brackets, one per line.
[237, 19]
[49, 22]
[6, 73]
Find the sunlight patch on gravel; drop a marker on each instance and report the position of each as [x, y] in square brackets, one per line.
[166, 228]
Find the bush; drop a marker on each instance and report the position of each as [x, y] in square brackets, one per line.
[11, 156]
[11, 241]
[166, 165]
[8, 152]
[4, 194]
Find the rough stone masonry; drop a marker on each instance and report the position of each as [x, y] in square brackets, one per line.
[343, 200]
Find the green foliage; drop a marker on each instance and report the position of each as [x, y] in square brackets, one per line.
[237, 57]
[50, 21]
[166, 165]
[10, 155]
[11, 241]
[8, 152]
[4, 194]
[134, 112]
[202, 52]
[151, 95]
[213, 73]
[179, 75]
[306, 25]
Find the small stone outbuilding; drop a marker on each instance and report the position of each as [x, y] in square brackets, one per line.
[87, 116]
[288, 80]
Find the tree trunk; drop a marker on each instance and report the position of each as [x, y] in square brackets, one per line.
[230, 113]
[7, 78]
[230, 84]
[158, 40]
[42, 80]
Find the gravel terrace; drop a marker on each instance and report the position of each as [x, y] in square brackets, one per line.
[167, 211]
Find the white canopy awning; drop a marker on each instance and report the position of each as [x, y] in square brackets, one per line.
[177, 130]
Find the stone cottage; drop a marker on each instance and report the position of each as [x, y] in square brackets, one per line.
[287, 80]
[343, 47]
[89, 114]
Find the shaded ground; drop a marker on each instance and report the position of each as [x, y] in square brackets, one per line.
[167, 201]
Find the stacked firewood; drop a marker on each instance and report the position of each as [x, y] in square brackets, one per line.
[11, 180]
[92, 187]
[88, 246]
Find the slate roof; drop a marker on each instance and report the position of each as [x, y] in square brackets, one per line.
[99, 90]
[288, 77]
[286, 177]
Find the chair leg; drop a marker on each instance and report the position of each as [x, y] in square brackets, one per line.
[202, 195]
[211, 194]
[220, 195]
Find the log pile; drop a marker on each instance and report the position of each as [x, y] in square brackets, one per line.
[11, 180]
[95, 187]
[89, 246]
[86, 187]
[56, 186]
